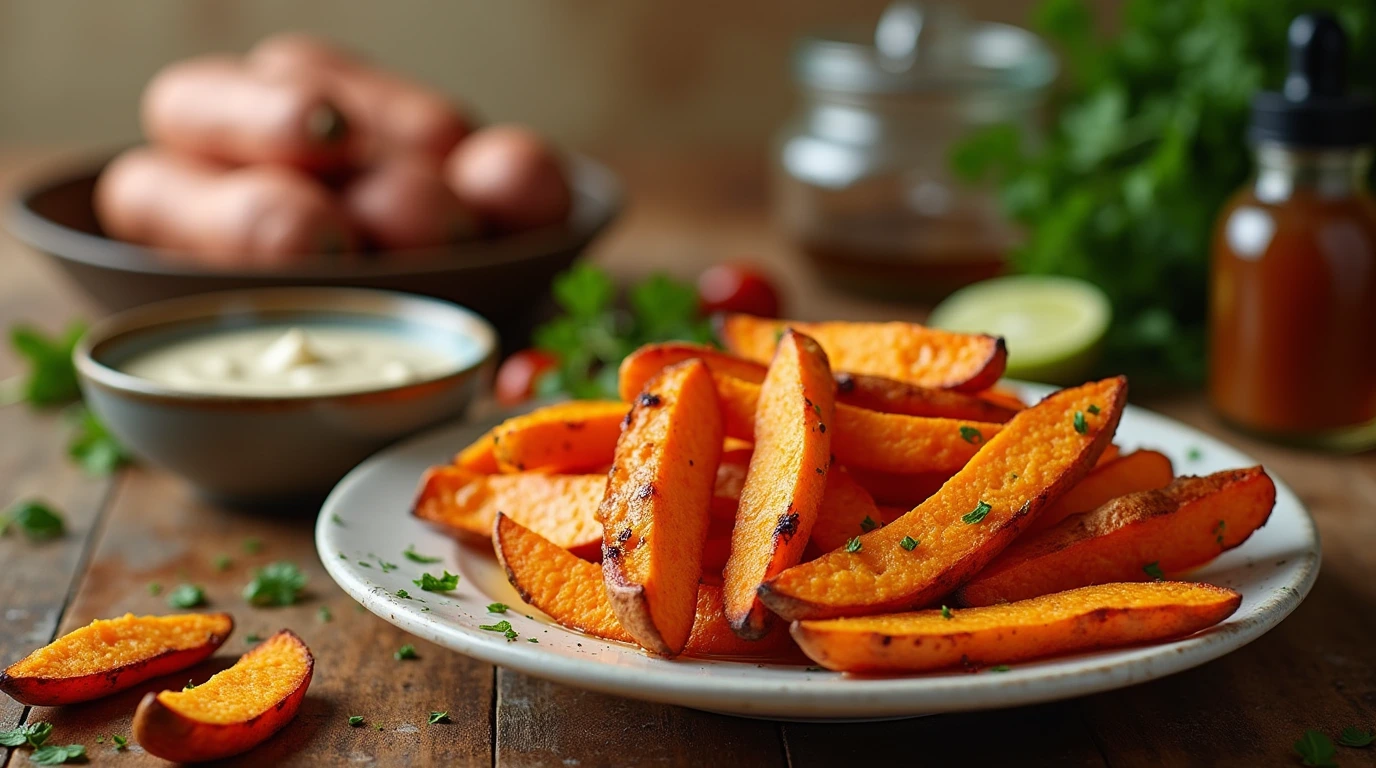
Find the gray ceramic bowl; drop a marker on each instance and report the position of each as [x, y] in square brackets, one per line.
[259, 449]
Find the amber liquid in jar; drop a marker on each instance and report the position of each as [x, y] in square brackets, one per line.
[1293, 305]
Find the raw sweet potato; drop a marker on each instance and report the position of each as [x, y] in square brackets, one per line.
[404, 203]
[905, 351]
[479, 457]
[575, 436]
[897, 489]
[1131, 538]
[1137, 471]
[948, 538]
[234, 711]
[784, 486]
[571, 591]
[872, 392]
[1085, 619]
[512, 177]
[847, 511]
[110, 655]
[656, 509]
[561, 508]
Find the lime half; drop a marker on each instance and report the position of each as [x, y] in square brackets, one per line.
[1053, 325]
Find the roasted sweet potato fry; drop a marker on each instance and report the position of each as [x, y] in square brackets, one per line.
[900, 490]
[1085, 619]
[110, 655]
[873, 392]
[562, 508]
[234, 711]
[847, 511]
[1137, 471]
[480, 457]
[787, 477]
[904, 351]
[576, 436]
[657, 506]
[571, 591]
[1035, 459]
[1131, 538]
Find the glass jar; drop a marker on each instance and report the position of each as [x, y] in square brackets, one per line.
[863, 183]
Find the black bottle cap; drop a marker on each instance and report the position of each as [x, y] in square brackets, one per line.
[1315, 108]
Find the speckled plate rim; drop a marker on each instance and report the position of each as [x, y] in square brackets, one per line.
[367, 513]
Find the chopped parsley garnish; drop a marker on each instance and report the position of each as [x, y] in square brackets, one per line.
[868, 524]
[51, 379]
[501, 626]
[337, 520]
[438, 717]
[497, 607]
[386, 566]
[37, 521]
[416, 557]
[1218, 532]
[531, 640]
[252, 545]
[365, 564]
[120, 741]
[186, 596]
[190, 685]
[446, 583]
[971, 435]
[853, 545]
[403, 594]
[1194, 454]
[977, 514]
[254, 638]
[323, 613]
[379, 726]
[355, 721]
[278, 583]
[1081, 425]
[946, 612]
[33, 734]
[154, 588]
[1356, 737]
[404, 653]
[909, 543]
[1000, 668]
[51, 754]
[222, 563]
[1153, 570]
[1093, 409]
[92, 445]
[1316, 750]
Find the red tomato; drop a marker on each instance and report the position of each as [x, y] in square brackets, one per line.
[518, 374]
[737, 288]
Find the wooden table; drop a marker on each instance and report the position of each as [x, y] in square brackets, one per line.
[144, 527]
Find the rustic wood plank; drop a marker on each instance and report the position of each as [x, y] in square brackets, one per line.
[158, 532]
[545, 724]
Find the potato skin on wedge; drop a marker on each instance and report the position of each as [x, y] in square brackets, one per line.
[1089, 618]
[576, 436]
[145, 646]
[228, 714]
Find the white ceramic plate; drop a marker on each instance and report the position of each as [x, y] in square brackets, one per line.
[365, 522]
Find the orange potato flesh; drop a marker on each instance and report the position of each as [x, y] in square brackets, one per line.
[1003, 398]
[1037, 457]
[235, 710]
[111, 655]
[899, 489]
[873, 392]
[843, 514]
[1186, 524]
[1137, 471]
[480, 457]
[576, 436]
[786, 480]
[904, 351]
[571, 592]
[657, 506]
[1085, 619]
[562, 508]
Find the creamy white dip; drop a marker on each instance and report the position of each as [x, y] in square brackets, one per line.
[275, 361]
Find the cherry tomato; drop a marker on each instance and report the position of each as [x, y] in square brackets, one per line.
[518, 374]
[737, 288]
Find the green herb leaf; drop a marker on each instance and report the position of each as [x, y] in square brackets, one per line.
[252, 545]
[501, 626]
[909, 543]
[337, 520]
[406, 652]
[154, 588]
[1093, 409]
[531, 640]
[416, 557]
[120, 741]
[222, 563]
[438, 717]
[1081, 425]
[946, 612]
[324, 615]
[279, 583]
[446, 583]
[355, 721]
[92, 445]
[51, 376]
[55, 755]
[254, 638]
[868, 525]
[853, 545]
[186, 596]
[1218, 532]
[403, 594]
[1154, 570]
[36, 520]
[32, 734]
[1000, 668]
[981, 511]
[1316, 750]
[497, 607]
[1194, 454]
[190, 685]
[971, 435]
[1356, 737]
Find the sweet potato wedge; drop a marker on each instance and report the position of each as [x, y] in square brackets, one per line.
[847, 511]
[571, 591]
[111, 655]
[1137, 471]
[562, 508]
[873, 392]
[786, 480]
[897, 489]
[1037, 457]
[905, 351]
[480, 457]
[1186, 524]
[232, 712]
[657, 506]
[1085, 619]
[576, 436]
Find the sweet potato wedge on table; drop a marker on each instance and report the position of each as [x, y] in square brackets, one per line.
[576, 436]
[1089, 618]
[657, 506]
[1037, 457]
[905, 351]
[234, 711]
[1137, 471]
[572, 592]
[562, 508]
[111, 655]
[872, 392]
[847, 511]
[786, 480]
[1131, 538]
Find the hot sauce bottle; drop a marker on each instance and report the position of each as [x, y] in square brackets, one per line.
[1293, 292]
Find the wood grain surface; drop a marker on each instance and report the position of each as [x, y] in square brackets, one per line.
[1317, 670]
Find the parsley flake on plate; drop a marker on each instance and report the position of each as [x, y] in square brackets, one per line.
[497, 607]
[355, 721]
[446, 583]
[279, 583]
[120, 741]
[416, 557]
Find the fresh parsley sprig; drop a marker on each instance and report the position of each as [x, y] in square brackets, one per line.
[36, 520]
